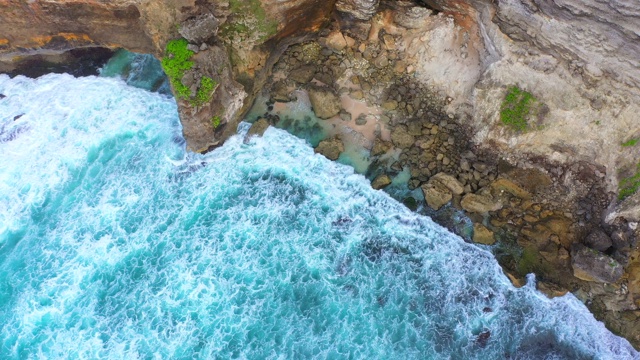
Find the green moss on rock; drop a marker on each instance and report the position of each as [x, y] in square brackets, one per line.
[516, 108]
[175, 63]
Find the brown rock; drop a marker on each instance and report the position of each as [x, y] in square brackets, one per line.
[450, 182]
[481, 204]
[303, 74]
[482, 235]
[436, 194]
[550, 290]
[380, 147]
[324, 101]
[336, 41]
[401, 137]
[381, 182]
[330, 148]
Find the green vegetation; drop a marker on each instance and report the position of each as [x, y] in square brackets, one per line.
[205, 91]
[249, 19]
[516, 108]
[630, 143]
[530, 261]
[175, 63]
[630, 185]
[215, 122]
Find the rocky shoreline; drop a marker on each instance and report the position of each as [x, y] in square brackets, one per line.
[520, 115]
[536, 215]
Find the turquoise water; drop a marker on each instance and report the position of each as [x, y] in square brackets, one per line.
[116, 243]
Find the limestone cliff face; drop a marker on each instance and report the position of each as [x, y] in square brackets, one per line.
[242, 39]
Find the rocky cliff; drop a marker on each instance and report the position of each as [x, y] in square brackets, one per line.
[523, 113]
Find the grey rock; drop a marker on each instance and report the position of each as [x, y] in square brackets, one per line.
[303, 74]
[412, 17]
[200, 28]
[598, 240]
[592, 265]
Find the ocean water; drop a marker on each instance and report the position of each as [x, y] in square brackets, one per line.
[115, 243]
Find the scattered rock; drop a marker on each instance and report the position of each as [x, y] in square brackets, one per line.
[390, 105]
[381, 182]
[257, 128]
[482, 235]
[592, 265]
[598, 240]
[200, 28]
[330, 148]
[550, 290]
[324, 101]
[483, 338]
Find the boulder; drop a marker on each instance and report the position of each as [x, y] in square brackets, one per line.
[436, 194]
[324, 101]
[482, 235]
[381, 182]
[330, 148]
[478, 203]
[592, 265]
[450, 182]
[598, 240]
[336, 41]
[257, 128]
[303, 74]
[380, 147]
[281, 91]
[200, 28]
[401, 137]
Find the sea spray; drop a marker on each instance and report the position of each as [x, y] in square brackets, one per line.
[116, 243]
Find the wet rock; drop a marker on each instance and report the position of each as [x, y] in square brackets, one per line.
[380, 147]
[2, 96]
[436, 194]
[257, 128]
[550, 290]
[401, 137]
[480, 203]
[200, 28]
[281, 91]
[361, 120]
[324, 101]
[381, 182]
[592, 265]
[483, 338]
[482, 235]
[331, 148]
[303, 74]
[598, 240]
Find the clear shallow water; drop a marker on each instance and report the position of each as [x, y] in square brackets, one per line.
[115, 243]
